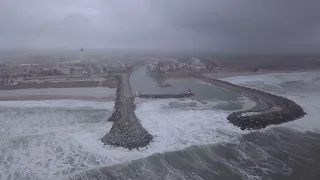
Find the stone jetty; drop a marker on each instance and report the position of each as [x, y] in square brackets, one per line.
[286, 110]
[165, 96]
[126, 130]
[117, 106]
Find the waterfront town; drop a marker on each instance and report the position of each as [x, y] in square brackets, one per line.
[23, 72]
[15, 72]
[89, 79]
[189, 65]
[127, 131]
[31, 68]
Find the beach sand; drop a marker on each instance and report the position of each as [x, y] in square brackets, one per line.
[86, 93]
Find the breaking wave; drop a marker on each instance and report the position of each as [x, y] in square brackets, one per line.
[193, 140]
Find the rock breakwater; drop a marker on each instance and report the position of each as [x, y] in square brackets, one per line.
[126, 130]
[289, 111]
[166, 96]
[286, 110]
[117, 106]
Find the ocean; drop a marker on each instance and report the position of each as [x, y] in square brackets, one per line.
[60, 139]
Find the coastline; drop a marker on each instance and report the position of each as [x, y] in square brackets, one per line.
[60, 84]
[80, 93]
[42, 98]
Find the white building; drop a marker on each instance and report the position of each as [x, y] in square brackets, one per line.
[164, 68]
[195, 60]
[181, 65]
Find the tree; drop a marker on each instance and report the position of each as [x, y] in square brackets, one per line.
[104, 69]
[55, 72]
[1, 79]
[71, 69]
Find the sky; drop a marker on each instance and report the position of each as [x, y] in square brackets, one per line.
[215, 25]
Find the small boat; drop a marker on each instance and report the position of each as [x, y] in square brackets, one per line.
[164, 84]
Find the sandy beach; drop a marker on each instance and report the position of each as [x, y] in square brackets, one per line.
[81, 93]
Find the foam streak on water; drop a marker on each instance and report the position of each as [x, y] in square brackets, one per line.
[303, 88]
[56, 139]
[50, 139]
[286, 151]
[178, 128]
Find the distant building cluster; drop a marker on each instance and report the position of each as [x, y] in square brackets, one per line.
[43, 68]
[13, 72]
[191, 65]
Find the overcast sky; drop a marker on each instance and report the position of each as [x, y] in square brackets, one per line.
[218, 25]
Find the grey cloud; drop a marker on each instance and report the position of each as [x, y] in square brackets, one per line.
[272, 24]
[218, 25]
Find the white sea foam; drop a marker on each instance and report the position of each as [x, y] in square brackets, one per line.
[246, 102]
[273, 78]
[306, 95]
[42, 141]
[176, 129]
[53, 139]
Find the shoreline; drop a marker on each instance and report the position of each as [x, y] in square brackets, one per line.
[61, 84]
[56, 97]
[78, 93]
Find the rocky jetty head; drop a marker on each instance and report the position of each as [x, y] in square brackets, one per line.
[126, 133]
[289, 111]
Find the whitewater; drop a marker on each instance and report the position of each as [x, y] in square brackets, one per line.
[57, 139]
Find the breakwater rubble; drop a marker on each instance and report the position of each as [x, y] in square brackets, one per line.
[117, 105]
[166, 96]
[288, 110]
[126, 130]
